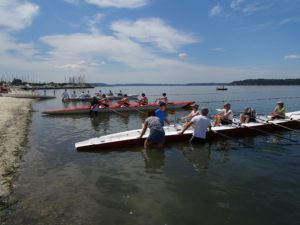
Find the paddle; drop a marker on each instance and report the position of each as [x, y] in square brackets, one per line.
[233, 139]
[279, 125]
[268, 133]
[121, 114]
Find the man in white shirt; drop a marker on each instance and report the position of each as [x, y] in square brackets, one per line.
[226, 114]
[202, 123]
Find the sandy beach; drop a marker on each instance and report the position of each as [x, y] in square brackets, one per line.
[14, 121]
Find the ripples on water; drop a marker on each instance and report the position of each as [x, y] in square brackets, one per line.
[221, 183]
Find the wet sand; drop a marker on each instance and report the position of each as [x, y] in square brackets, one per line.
[14, 121]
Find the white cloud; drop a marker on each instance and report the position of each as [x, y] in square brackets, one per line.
[235, 4]
[74, 2]
[183, 55]
[92, 23]
[218, 49]
[215, 11]
[119, 3]
[154, 31]
[254, 7]
[290, 20]
[291, 57]
[17, 14]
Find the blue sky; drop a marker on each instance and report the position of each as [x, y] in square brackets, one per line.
[156, 41]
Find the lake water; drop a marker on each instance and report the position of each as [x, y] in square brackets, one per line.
[222, 183]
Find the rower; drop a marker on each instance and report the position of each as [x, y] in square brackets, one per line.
[65, 95]
[193, 113]
[279, 111]
[143, 100]
[163, 98]
[161, 114]
[74, 95]
[82, 95]
[88, 95]
[226, 115]
[120, 93]
[249, 115]
[104, 102]
[110, 93]
[94, 107]
[124, 102]
[156, 138]
[202, 124]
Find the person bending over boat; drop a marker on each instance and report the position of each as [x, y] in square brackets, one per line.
[156, 138]
[104, 103]
[94, 106]
[124, 102]
[163, 98]
[279, 111]
[193, 113]
[161, 113]
[201, 125]
[249, 115]
[226, 115]
[143, 100]
[65, 95]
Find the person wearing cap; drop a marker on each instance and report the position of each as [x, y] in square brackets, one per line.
[226, 115]
[201, 125]
[161, 113]
[193, 113]
[163, 98]
[279, 111]
[143, 100]
[249, 115]
[156, 138]
[124, 102]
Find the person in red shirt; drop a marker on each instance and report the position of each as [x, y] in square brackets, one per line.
[163, 98]
[124, 102]
[104, 102]
[143, 100]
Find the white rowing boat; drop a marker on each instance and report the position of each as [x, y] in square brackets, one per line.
[130, 138]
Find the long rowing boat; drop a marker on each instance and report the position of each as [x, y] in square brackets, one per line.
[130, 138]
[109, 97]
[116, 108]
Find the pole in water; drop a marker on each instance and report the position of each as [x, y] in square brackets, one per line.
[233, 139]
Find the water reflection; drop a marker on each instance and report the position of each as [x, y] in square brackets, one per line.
[154, 160]
[198, 155]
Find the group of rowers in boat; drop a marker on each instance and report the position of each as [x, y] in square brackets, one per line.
[200, 121]
[124, 102]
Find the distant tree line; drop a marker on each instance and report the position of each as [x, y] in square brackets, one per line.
[267, 82]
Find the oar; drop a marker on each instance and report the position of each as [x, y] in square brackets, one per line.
[144, 113]
[270, 134]
[279, 125]
[233, 139]
[121, 114]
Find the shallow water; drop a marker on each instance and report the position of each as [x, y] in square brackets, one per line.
[224, 183]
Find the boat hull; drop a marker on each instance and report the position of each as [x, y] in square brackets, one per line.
[130, 138]
[115, 108]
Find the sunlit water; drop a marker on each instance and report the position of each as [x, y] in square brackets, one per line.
[222, 183]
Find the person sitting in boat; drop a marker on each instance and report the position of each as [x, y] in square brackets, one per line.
[193, 113]
[163, 98]
[279, 111]
[104, 103]
[65, 95]
[120, 93]
[110, 93]
[74, 95]
[156, 138]
[249, 115]
[124, 102]
[88, 95]
[201, 125]
[161, 114]
[143, 100]
[226, 115]
[82, 95]
[94, 106]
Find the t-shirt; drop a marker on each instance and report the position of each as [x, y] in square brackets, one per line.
[161, 115]
[201, 124]
[65, 95]
[153, 122]
[230, 114]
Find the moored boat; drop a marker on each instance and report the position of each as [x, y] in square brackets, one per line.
[130, 138]
[116, 108]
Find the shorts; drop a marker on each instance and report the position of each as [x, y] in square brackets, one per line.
[196, 140]
[156, 136]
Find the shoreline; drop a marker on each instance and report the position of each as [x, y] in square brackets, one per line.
[15, 118]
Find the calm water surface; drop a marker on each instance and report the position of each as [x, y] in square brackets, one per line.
[224, 183]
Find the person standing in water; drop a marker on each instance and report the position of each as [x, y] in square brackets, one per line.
[161, 113]
[156, 138]
[94, 106]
